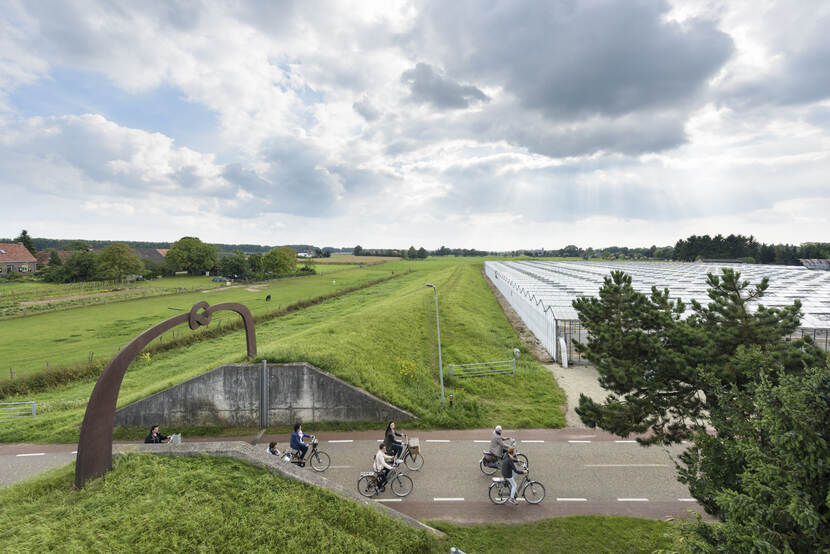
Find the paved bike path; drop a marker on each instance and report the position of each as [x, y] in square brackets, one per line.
[584, 472]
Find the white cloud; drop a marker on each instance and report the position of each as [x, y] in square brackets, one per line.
[588, 123]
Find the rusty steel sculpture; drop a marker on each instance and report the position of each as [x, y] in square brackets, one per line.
[95, 444]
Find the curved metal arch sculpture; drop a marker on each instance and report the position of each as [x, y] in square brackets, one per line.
[95, 444]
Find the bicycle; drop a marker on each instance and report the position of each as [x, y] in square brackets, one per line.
[489, 463]
[400, 484]
[533, 491]
[320, 461]
[411, 453]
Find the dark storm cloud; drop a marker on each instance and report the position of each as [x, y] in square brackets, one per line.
[568, 59]
[428, 86]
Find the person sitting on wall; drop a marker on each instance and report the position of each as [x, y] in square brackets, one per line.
[272, 449]
[155, 437]
[297, 440]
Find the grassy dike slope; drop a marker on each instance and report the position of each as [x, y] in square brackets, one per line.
[155, 503]
[67, 337]
[381, 338]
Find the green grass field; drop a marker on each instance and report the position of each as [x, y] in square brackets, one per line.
[380, 338]
[68, 337]
[152, 503]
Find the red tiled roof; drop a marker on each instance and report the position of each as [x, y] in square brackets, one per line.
[162, 251]
[15, 252]
[43, 256]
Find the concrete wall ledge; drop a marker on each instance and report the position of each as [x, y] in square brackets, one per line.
[256, 456]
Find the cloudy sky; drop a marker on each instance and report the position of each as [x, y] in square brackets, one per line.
[488, 124]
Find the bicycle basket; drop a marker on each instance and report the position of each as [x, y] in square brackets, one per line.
[414, 445]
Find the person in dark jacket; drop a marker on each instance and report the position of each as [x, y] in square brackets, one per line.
[272, 449]
[155, 437]
[509, 472]
[391, 443]
[296, 441]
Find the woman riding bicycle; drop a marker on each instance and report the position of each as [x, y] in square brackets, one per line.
[390, 442]
[509, 472]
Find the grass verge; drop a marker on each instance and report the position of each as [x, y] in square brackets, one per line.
[153, 503]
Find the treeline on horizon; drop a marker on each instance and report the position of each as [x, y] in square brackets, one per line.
[700, 247]
[696, 247]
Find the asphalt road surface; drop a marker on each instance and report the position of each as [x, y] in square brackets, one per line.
[584, 471]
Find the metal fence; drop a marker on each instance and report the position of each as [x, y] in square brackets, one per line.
[820, 336]
[483, 369]
[9, 410]
[538, 319]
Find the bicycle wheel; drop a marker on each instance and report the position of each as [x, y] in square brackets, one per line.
[320, 461]
[522, 459]
[366, 486]
[499, 492]
[485, 469]
[414, 461]
[534, 492]
[401, 485]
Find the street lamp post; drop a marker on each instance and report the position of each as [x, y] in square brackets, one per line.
[438, 328]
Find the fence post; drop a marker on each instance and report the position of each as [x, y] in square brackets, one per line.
[514, 366]
[34, 409]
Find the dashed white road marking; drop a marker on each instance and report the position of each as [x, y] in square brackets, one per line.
[342, 440]
[580, 442]
[572, 500]
[626, 465]
[341, 467]
[632, 500]
[437, 440]
[532, 441]
[387, 499]
[687, 499]
[74, 451]
[440, 499]
[625, 442]
[481, 441]
[35, 454]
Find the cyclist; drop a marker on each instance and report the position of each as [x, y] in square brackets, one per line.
[297, 440]
[497, 446]
[381, 467]
[391, 443]
[509, 472]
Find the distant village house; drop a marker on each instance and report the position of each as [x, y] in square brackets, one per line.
[15, 258]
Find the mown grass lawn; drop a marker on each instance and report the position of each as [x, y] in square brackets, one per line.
[381, 338]
[68, 337]
[153, 503]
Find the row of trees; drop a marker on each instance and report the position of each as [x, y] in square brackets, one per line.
[673, 374]
[118, 260]
[277, 261]
[115, 262]
[420, 253]
[747, 249]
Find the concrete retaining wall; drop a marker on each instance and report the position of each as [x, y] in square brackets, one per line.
[230, 396]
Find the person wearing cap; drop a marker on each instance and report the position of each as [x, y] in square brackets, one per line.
[497, 446]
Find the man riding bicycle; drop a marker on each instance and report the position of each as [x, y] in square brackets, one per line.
[297, 441]
[497, 446]
[382, 467]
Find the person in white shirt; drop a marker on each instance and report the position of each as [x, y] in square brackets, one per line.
[381, 466]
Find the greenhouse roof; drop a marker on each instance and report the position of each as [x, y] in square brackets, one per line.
[554, 285]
